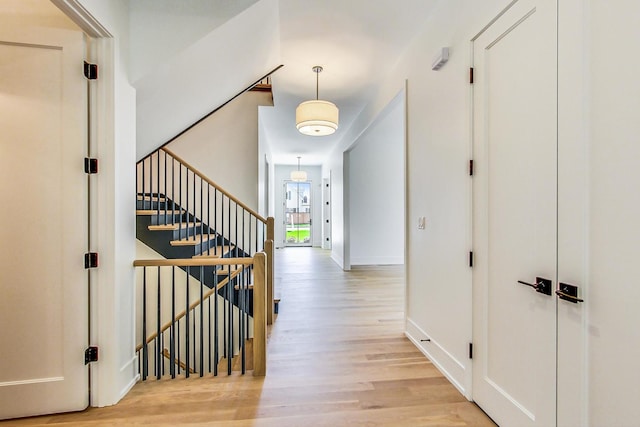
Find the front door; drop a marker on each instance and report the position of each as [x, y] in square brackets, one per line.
[515, 215]
[297, 213]
[43, 237]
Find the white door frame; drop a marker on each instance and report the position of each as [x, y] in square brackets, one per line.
[326, 212]
[102, 388]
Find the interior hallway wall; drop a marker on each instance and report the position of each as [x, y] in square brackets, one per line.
[376, 190]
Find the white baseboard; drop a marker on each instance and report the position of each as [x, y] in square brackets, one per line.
[451, 368]
[130, 376]
[337, 259]
[377, 260]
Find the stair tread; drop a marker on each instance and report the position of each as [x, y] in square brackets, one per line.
[176, 226]
[236, 361]
[225, 270]
[152, 198]
[155, 212]
[219, 251]
[191, 240]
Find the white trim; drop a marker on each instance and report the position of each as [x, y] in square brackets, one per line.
[337, 259]
[451, 368]
[104, 390]
[33, 381]
[131, 364]
[82, 18]
[379, 260]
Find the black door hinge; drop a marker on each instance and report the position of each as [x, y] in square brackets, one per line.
[471, 75]
[470, 167]
[470, 350]
[90, 71]
[90, 355]
[90, 165]
[470, 259]
[91, 260]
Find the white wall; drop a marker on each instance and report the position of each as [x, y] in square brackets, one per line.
[376, 190]
[282, 174]
[438, 186]
[224, 147]
[333, 169]
[266, 170]
[206, 74]
[612, 318]
[161, 29]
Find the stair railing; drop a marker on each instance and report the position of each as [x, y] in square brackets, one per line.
[180, 195]
[187, 328]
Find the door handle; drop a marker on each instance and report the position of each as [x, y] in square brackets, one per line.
[569, 293]
[542, 285]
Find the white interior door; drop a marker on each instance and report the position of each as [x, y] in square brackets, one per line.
[43, 284]
[515, 209]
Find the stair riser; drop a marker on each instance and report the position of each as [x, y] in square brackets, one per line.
[187, 232]
[169, 218]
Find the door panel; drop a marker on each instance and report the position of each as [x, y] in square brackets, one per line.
[515, 231]
[44, 305]
[297, 213]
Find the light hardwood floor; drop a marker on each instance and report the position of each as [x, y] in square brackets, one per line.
[337, 356]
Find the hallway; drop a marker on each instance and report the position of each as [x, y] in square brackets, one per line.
[337, 356]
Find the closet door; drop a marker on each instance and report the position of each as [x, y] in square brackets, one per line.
[515, 215]
[44, 304]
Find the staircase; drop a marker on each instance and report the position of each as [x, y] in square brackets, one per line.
[217, 259]
[174, 233]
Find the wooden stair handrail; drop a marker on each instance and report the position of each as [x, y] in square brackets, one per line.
[192, 306]
[213, 184]
[191, 262]
[259, 262]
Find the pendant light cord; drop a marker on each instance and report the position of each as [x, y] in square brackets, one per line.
[317, 69]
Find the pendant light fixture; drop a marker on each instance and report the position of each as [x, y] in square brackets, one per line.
[317, 117]
[298, 175]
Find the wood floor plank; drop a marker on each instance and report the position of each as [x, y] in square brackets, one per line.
[337, 356]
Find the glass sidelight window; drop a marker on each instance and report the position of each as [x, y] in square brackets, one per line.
[297, 213]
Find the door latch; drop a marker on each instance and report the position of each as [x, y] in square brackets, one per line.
[542, 285]
[569, 293]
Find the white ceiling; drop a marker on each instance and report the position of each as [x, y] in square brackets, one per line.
[356, 41]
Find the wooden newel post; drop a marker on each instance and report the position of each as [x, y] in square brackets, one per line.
[271, 223]
[269, 248]
[260, 315]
